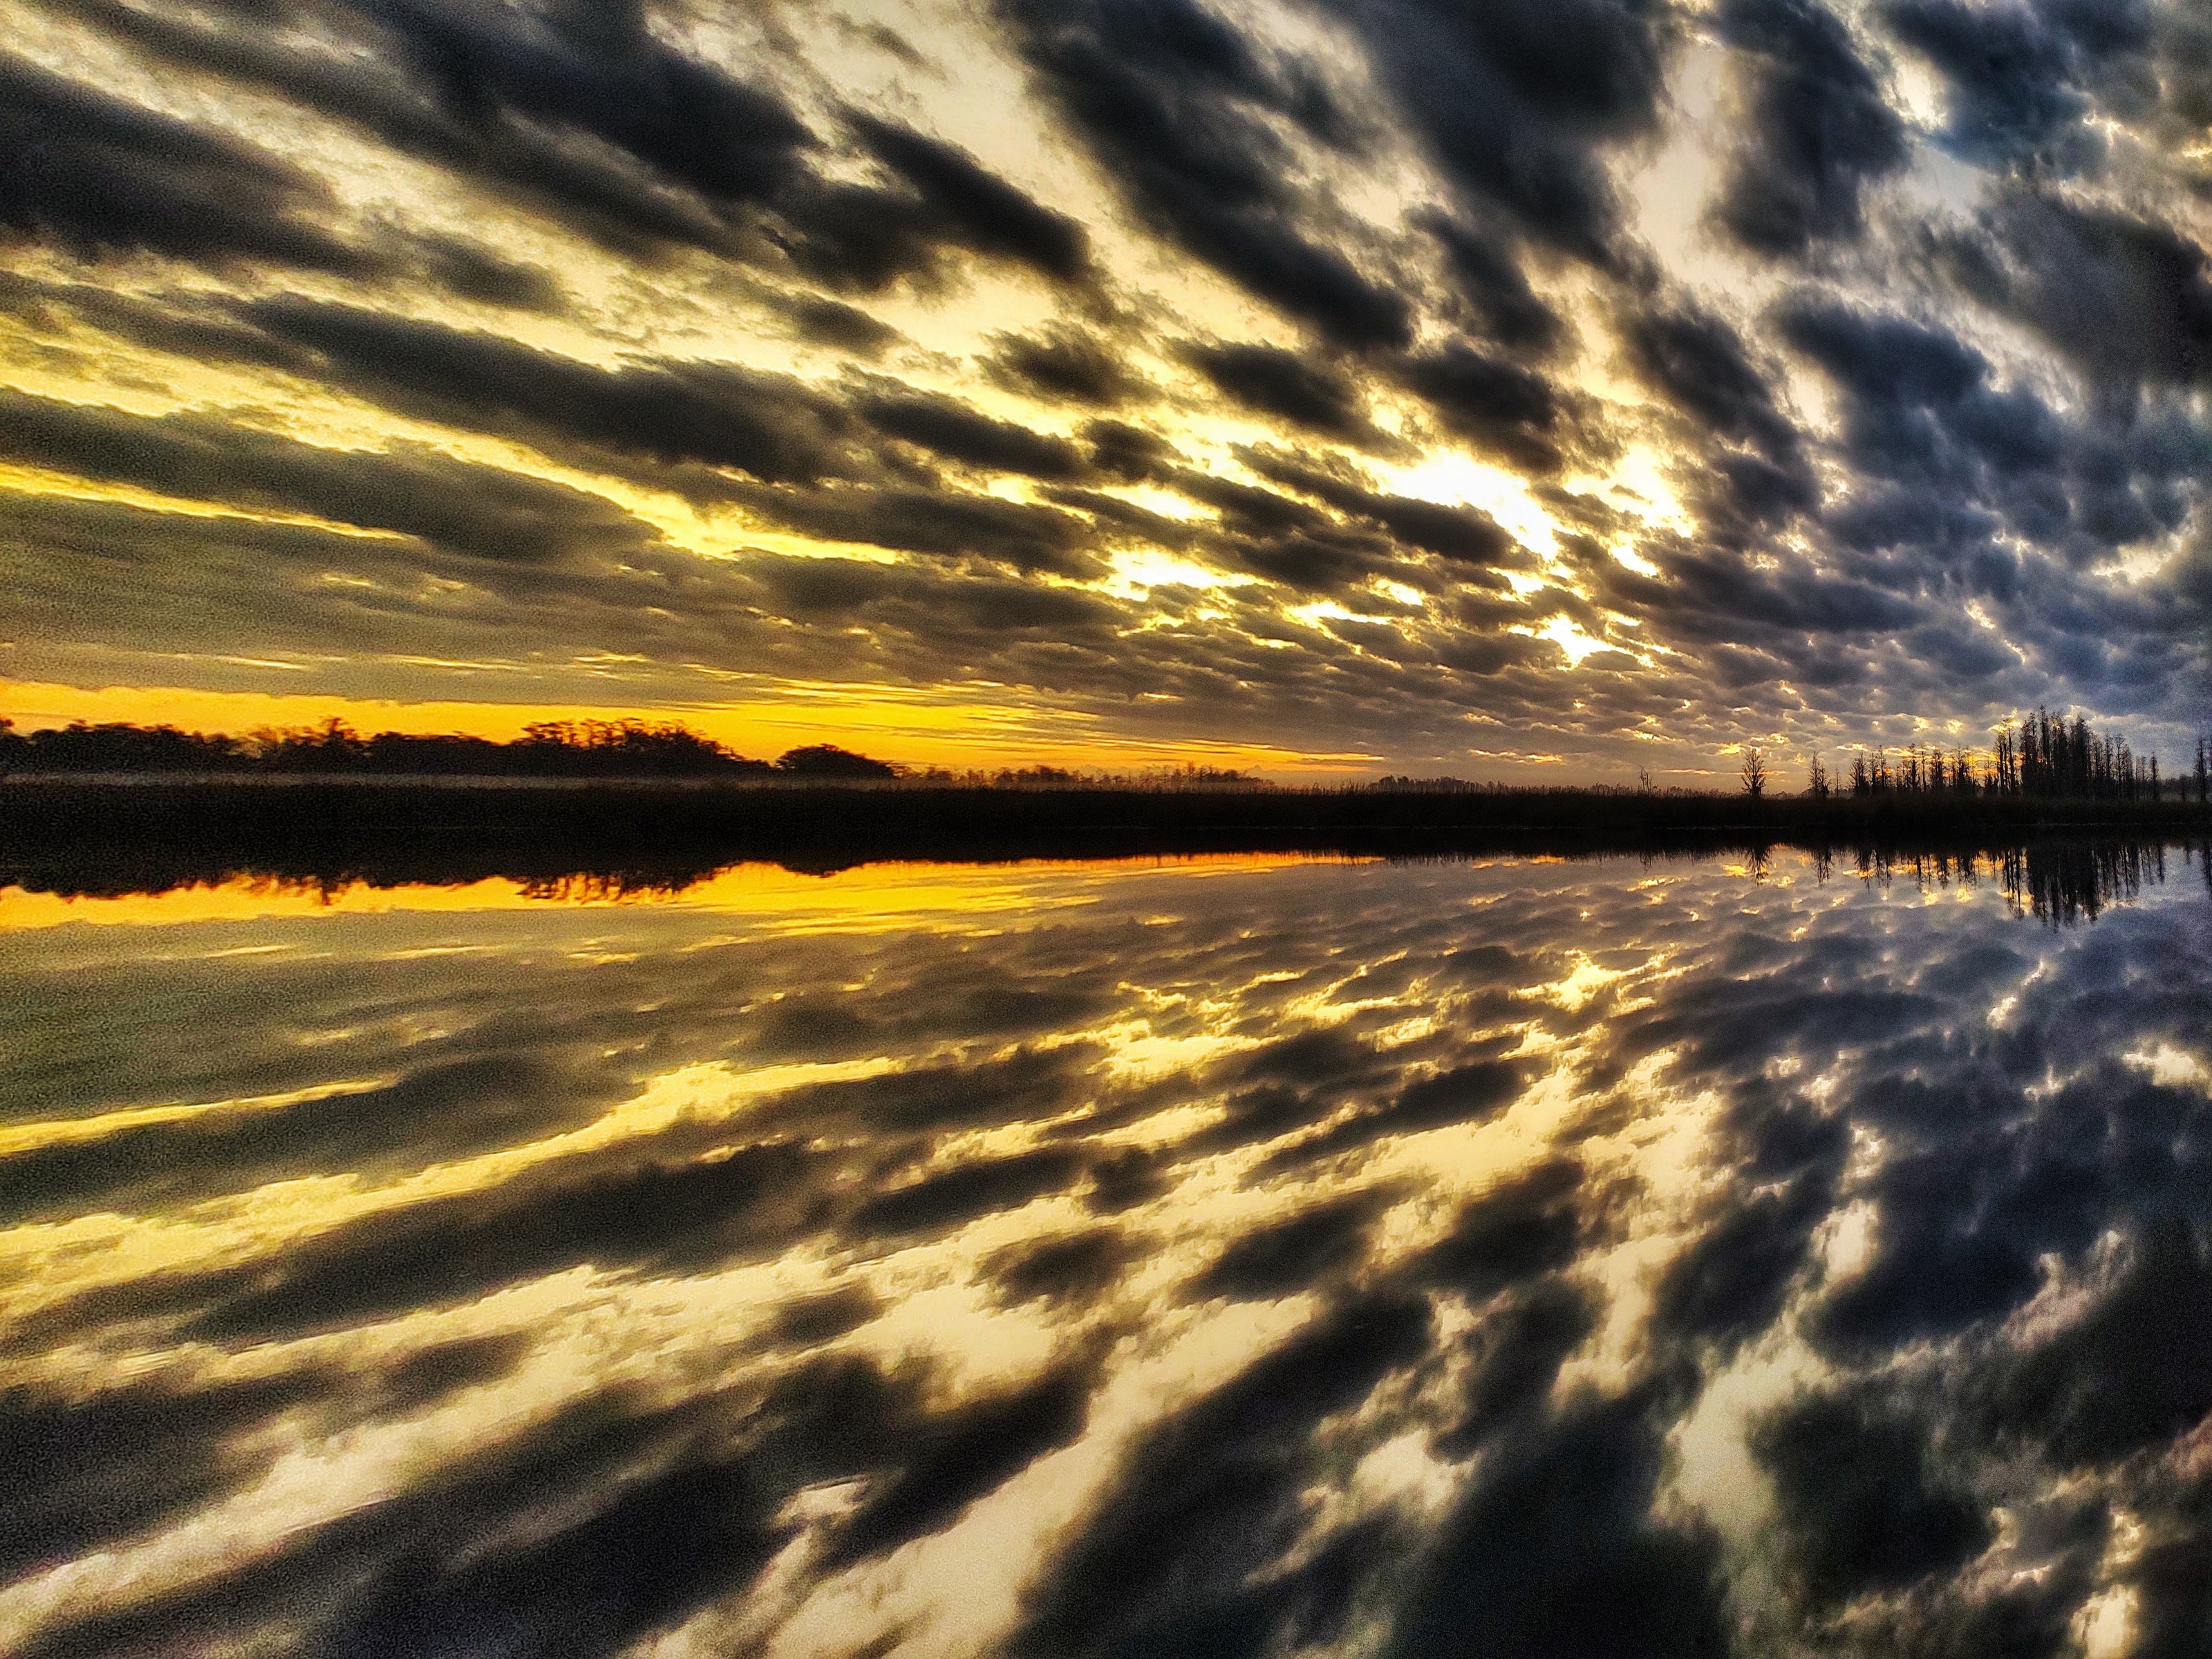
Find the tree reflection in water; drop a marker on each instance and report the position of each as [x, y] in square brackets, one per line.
[1234, 1256]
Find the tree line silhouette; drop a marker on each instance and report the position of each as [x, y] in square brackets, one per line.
[546, 749]
[2039, 762]
[2035, 758]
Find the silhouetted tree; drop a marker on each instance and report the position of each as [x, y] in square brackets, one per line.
[827, 760]
[1753, 773]
[1816, 779]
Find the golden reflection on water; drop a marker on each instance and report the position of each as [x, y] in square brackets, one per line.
[873, 897]
[536, 1230]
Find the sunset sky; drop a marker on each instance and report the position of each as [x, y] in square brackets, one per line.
[1513, 390]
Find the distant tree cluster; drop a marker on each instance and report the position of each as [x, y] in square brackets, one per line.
[2038, 757]
[1400, 783]
[548, 749]
[1920, 769]
[2060, 758]
[1187, 776]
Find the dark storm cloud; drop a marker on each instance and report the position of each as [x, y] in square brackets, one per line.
[98, 176]
[1292, 543]
[1129, 452]
[585, 114]
[481, 511]
[1499, 408]
[1820, 129]
[101, 177]
[664, 1508]
[981, 211]
[1486, 278]
[937, 523]
[1073, 1268]
[1173, 103]
[601, 71]
[822, 321]
[1854, 1489]
[469, 271]
[1906, 383]
[1948, 462]
[502, 103]
[670, 1514]
[1300, 391]
[1699, 363]
[887, 598]
[1517, 1356]
[1521, 1230]
[1519, 104]
[180, 323]
[256, 588]
[770, 426]
[1733, 1282]
[959, 433]
[2019, 73]
[2040, 1175]
[2129, 300]
[1063, 364]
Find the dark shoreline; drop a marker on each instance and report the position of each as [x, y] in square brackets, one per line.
[107, 835]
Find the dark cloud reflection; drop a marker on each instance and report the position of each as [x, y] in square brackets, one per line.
[1215, 1259]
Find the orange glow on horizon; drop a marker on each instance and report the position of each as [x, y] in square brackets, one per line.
[911, 729]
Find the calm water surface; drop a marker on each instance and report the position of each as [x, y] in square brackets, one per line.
[1236, 1257]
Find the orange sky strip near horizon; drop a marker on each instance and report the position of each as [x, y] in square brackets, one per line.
[912, 729]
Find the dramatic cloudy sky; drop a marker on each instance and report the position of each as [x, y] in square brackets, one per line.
[1391, 382]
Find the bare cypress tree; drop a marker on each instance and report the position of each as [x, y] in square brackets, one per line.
[1753, 773]
[1816, 779]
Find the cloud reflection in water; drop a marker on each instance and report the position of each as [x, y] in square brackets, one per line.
[1225, 1258]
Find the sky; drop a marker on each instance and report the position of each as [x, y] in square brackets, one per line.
[1515, 390]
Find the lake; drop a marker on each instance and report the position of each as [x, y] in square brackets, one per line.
[1230, 1257]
